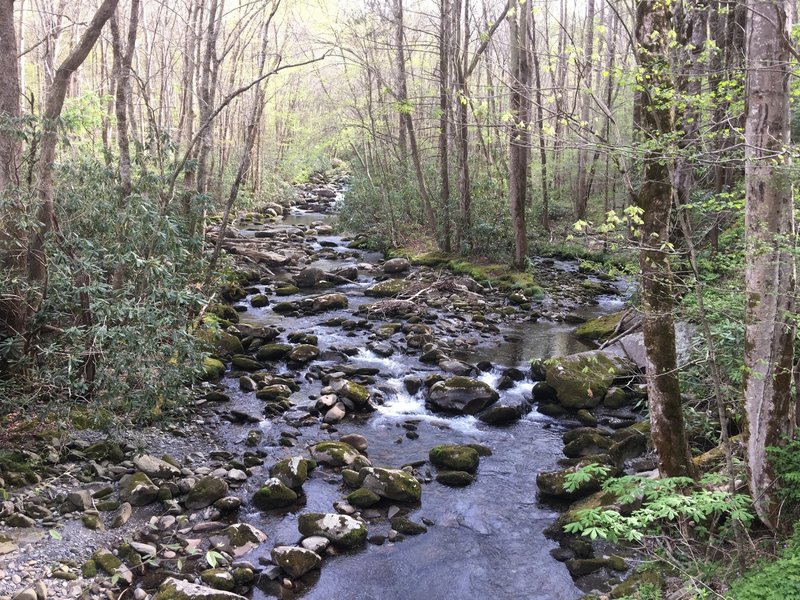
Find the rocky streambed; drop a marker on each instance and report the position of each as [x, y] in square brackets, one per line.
[367, 429]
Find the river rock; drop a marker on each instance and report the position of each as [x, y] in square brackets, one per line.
[455, 478]
[453, 457]
[351, 390]
[274, 392]
[394, 484]
[273, 351]
[552, 483]
[334, 454]
[292, 472]
[329, 302]
[407, 526]
[581, 380]
[219, 579]
[244, 362]
[121, 515]
[462, 395]
[205, 492]
[274, 494]
[500, 414]
[238, 539]
[295, 561]
[396, 265]
[304, 353]
[363, 498]
[155, 467]
[137, 489]
[177, 589]
[341, 530]
[388, 288]
[309, 277]
[359, 442]
[588, 442]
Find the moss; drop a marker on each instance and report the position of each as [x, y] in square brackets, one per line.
[89, 569]
[218, 579]
[387, 288]
[335, 454]
[224, 312]
[599, 329]
[454, 457]
[304, 353]
[363, 498]
[286, 290]
[274, 494]
[499, 276]
[432, 258]
[106, 561]
[273, 351]
[212, 369]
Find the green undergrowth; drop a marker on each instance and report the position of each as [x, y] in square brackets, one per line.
[772, 580]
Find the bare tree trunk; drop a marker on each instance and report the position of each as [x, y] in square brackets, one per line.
[519, 139]
[464, 221]
[125, 58]
[655, 200]
[770, 242]
[540, 128]
[584, 81]
[444, 159]
[37, 261]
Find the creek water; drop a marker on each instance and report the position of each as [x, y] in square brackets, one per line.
[488, 539]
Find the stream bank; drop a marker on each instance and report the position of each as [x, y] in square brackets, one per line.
[418, 369]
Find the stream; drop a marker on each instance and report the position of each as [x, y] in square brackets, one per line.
[487, 539]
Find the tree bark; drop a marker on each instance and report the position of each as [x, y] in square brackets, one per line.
[584, 81]
[444, 159]
[37, 261]
[769, 247]
[655, 199]
[519, 138]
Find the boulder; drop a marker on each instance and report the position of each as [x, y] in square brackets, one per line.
[394, 484]
[581, 380]
[329, 302]
[363, 498]
[407, 526]
[274, 494]
[334, 454]
[155, 467]
[304, 353]
[552, 483]
[500, 414]
[238, 539]
[137, 489]
[291, 472]
[462, 395]
[177, 589]
[396, 265]
[350, 390]
[295, 561]
[388, 288]
[341, 530]
[309, 277]
[205, 492]
[273, 351]
[454, 457]
[455, 478]
[244, 362]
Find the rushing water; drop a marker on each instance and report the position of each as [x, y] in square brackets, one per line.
[487, 540]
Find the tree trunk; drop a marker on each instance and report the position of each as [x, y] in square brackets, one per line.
[540, 128]
[519, 139]
[37, 261]
[655, 199]
[584, 87]
[444, 159]
[769, 247]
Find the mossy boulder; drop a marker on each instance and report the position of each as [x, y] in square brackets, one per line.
[212, 369]
[286, 290]
[259, 301]
[637, 581]
[177, 589]
[461, 395]
[274, 392]
[341, 530]
[292, 472]
[137, 489]
[273, 351]
[205, 492]
[588, 442]
[108, 450]
[407, 526]
[454, 457]
[394, 484]
[304, 353]
[351, 390]
[581, 380]
[455, 478]
[334, 454]
[224, 312]
[238, 539]
[553, 483]
[599, 329]
[363, 498]
[396, 265]
[274, 494]
[246, 363]
[219, 579]
[295, 561]
[388, 288]
[220, 342]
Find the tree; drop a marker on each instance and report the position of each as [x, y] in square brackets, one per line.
[769, 233]
[519, 137]
[653, 21]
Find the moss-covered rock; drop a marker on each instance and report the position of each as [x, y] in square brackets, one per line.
[394, 484]
[212, 369]
[271, 393]
[588, 443]
[334, 454]
[407, 526]
[259, 301]
[292, 472]
[295, 561]
[351, 390]
[388, 288]
[238, 539]
[639, 580]
[553, 483]
[341, 530]
[328, 302]
[205, 492]
[137, 489]
[286, 290]
[219, 579]
[220, 342]
[601, 328]
[244, 362]
[274, 494]
[273, 351]
[304, 353]
[177, 589]
[454, 457]
[363, 498]
[581, 380]
[455, 478]
[224, 312]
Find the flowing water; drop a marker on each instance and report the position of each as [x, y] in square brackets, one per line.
[488, 538]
